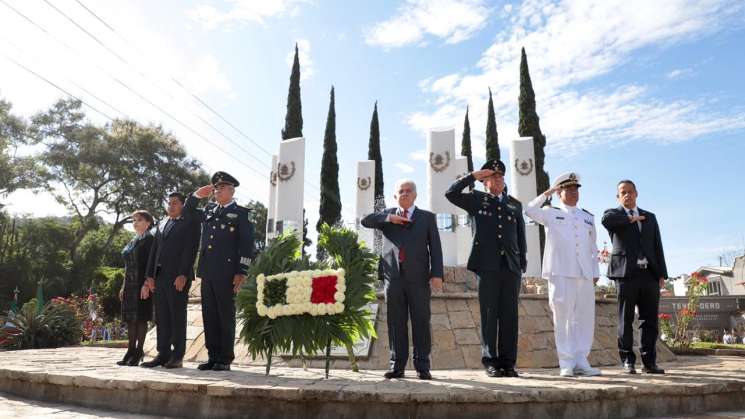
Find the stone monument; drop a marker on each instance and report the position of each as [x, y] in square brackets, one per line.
[288, 213]
[523, 187]
[365, 203]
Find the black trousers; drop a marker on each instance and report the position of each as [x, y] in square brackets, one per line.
[406, 297]
[218, 316]
[640, 289]
[170, 315]
[498, 294]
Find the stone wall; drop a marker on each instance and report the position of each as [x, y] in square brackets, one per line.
[455, 333]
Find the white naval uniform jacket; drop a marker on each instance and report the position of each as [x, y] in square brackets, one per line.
[571, 249]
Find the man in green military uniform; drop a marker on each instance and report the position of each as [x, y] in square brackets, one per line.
[227, 246]
[498, 259]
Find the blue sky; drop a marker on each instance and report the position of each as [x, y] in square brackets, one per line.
[646, 90]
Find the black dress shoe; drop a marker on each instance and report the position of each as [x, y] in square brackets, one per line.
[136, 358]
[207, 366]
[494, 371]
[652, 369]
[424, 375]
[629, 368]
[393, 374]
[220, 367]
[174, 363]
[156, 362]
[125, 360]
[510, 372]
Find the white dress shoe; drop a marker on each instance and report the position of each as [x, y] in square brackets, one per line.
[566, 372]
[587, 371]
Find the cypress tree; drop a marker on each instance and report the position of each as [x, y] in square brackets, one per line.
[465, 145]
[330, 208]
[373, 153]
[492, 140]
[529, 126]
[294, 117]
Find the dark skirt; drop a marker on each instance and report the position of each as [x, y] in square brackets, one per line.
[135, 260]
[134, 308]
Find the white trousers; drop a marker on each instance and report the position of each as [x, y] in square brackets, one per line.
[572, 301]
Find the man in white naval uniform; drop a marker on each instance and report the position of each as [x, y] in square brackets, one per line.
[571, 267]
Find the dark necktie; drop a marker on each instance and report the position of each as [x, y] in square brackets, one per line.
[638, 223]
[168, 226]
[402, 250]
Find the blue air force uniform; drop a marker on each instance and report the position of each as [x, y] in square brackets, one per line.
[498, 257]
[227, 246]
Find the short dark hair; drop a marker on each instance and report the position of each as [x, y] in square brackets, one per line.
[181, 197]
[622, 181]
[144, 214]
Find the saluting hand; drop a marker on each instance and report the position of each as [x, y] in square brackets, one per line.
[150, 282]
[482, 174]
[204, 191]
[237, 282]
[637, 218]
[397, 219]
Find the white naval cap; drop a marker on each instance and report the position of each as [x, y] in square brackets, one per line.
[567, 179]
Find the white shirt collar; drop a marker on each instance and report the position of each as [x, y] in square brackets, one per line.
[635, 209]
[226, 205]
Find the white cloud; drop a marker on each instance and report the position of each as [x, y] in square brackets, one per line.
[306, 63]
[679, 73]
[576, 41]
[418, 155]
[243, 11]
[451, 20]
[405, 168]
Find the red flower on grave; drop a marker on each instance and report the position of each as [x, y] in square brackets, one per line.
[665, 316]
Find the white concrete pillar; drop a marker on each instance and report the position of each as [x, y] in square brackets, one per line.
[290, 186]
[441, 173]
[523, 187]
[464, 237]
[365, 204]
[272, 208]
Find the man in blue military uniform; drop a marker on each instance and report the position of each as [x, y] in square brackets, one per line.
[498, 257]
[227, 246]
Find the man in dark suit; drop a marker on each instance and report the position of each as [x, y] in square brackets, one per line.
[637, 264]
[226, 250]
[411, 260]
[498, 257]
[170, 271]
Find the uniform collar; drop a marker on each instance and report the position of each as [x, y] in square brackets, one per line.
[568, 208]
[226, 206]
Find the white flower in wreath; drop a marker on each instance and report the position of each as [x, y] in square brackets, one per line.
[339, 296]
[339, 307]
[261, 310]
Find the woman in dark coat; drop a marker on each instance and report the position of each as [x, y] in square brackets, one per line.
[137, 306]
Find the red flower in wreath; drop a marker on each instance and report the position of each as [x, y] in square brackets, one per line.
[665, 316]
[324, 288]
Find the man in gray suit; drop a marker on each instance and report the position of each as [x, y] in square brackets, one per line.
[411, 260]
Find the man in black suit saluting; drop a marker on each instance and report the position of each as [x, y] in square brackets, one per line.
[410, 261]
[637, 263]
[170, 271]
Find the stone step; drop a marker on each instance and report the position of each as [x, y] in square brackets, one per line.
[89, 377]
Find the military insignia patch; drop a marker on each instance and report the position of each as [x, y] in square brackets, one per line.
[231, 215]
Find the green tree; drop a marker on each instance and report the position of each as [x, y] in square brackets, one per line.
[529, 126]
[17, 171]
[465, 144]
[492, 140]
[112, 170]
[258, 216]
[330, 207]
[373, 153]
[294, 117]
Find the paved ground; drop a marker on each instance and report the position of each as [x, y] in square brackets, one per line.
[16, 407]
[84, 368]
